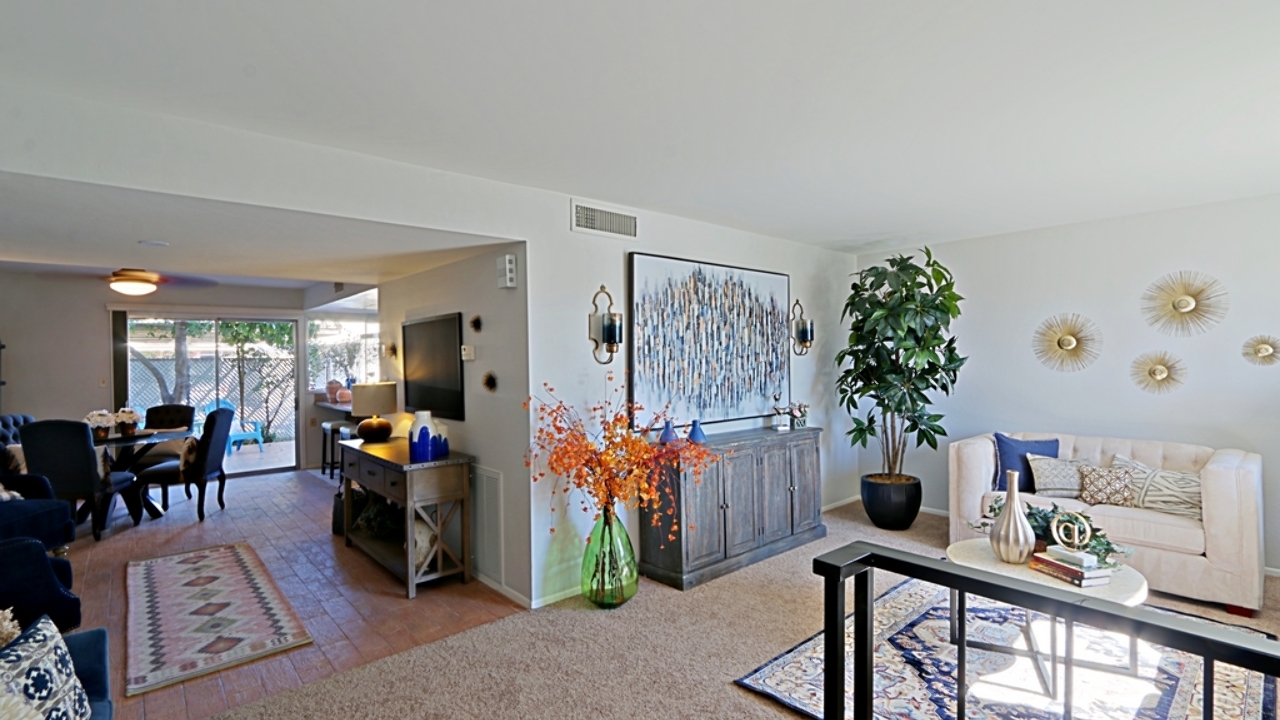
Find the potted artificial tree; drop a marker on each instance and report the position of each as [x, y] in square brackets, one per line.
[899, 351]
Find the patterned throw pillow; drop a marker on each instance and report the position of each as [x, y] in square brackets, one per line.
[1054, 477]
[37, 667]
[1106, 486]
[15, 463]
[188, 454]
[1166, 491]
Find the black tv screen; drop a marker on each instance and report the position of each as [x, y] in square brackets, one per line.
[432, 352]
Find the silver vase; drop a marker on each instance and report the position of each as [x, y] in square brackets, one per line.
[1012, 538]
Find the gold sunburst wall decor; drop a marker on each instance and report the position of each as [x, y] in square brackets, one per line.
[1185, 303]
[1262, 350]
[1067, 342]
[1158, 372]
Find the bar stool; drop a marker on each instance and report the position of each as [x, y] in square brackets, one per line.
[333, 431]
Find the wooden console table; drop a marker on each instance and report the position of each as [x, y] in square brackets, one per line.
[762, 498]
[443, 485]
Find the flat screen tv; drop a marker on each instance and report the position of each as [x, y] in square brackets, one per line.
[432, 352]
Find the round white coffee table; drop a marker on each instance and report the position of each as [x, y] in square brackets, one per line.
[1127, 587]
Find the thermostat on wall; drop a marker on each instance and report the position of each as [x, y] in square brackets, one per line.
[468, 352]
[507, 271]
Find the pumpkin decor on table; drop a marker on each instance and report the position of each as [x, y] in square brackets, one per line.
[611, 465]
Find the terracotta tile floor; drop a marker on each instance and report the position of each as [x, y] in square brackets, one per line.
[354, 609]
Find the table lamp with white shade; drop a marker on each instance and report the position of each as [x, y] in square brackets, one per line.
[370, 400]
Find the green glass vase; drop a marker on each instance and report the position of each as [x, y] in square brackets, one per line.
[609, 573]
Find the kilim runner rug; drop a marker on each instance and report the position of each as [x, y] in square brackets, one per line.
[916, 665]
[199, 612]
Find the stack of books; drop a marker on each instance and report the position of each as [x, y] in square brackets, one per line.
[1078, 568]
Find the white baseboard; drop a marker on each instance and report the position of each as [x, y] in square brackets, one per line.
[841, 503]
[557, 597]
[504, 590]
[1273, 572]
[856, 498]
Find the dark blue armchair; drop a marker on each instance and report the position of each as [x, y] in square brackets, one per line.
[34, 584]
[38, 515]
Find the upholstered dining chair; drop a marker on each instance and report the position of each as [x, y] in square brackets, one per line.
[166, 417]
[63, 452]
[205, 466]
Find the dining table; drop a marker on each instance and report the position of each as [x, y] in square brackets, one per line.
[132, 448]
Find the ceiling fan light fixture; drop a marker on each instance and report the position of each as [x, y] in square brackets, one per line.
[128, 281]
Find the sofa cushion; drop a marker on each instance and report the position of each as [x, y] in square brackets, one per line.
[1054, 477]
[1167, 491]
[1068, 504]
[45, 520]
[1148, 528]
[1011, 454]
[1099, 451]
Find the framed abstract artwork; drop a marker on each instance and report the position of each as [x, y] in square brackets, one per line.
[710, 340]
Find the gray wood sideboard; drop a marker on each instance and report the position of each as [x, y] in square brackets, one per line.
[435, 492]
[762, 498]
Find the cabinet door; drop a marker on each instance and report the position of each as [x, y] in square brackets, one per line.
[774, 483]
[703, 518]
[738, 470]
[806, 486]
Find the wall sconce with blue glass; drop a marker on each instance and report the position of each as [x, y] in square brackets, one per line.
[604, 328]
[801, 330]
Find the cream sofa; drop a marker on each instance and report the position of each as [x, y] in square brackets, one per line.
[1217, 560]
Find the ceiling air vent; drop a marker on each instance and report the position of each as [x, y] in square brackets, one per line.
[601, 221]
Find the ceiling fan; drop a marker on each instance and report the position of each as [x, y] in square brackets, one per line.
[132, 281]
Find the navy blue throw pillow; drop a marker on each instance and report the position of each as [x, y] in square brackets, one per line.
[1012, 455]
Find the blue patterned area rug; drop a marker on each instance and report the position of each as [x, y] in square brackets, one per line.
[915, 669]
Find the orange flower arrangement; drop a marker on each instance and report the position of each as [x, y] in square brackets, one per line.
[615, 465]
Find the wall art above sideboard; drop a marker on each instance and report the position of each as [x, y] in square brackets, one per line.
[711, 340]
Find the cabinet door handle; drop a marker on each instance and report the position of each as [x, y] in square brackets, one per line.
[370, 473]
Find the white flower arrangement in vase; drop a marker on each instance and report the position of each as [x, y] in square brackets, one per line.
[127, 420]
[101, 421]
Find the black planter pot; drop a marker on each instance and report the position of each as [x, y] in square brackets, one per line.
[891, 506]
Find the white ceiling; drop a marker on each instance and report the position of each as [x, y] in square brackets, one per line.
[93, 229]
[844, 123]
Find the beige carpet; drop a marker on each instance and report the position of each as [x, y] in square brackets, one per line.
[664, 654]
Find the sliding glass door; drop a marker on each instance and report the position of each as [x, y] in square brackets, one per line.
[248, 366]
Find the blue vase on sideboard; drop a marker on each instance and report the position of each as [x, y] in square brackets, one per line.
[668, 434]
[696, 435]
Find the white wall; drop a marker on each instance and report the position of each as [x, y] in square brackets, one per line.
[1100, 270]
[567, 270]
[58, 332]
[57, 136]
[496, 430]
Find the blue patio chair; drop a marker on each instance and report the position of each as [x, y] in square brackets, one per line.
[238, 435]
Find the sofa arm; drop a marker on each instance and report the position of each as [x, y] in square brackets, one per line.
[1231, 495]
[972, 465]
[91, 657]
[30, 487]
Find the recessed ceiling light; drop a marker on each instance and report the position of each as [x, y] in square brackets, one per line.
[153, 243]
